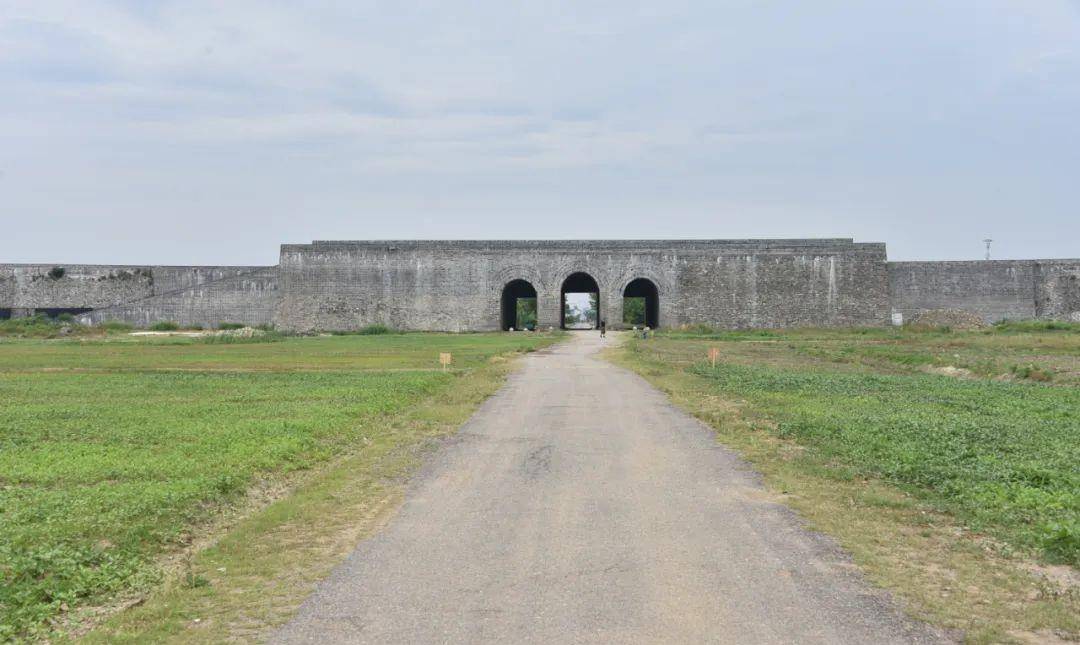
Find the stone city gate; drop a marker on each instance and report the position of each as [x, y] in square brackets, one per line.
[471, 285]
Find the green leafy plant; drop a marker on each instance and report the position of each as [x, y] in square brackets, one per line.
[375, 330]
[1028, 326]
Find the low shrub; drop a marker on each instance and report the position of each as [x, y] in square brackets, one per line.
[116, 326]
[164, 325]
[38, 326]
[923, 328]
[56, 273]
[705, 331]
[231, 325]
[234, 339]
[1036, 326]
[697, 329]
[369, 330]
[375, 330]
[1032, 372]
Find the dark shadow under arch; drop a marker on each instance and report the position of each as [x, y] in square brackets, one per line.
[646, 303]
[579, 283]
[514, 291]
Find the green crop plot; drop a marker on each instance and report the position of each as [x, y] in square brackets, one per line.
[1002, 456]
[985, 423]
[947, 463]
[112, 450]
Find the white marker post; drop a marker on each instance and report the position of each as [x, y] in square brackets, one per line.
[445, 359]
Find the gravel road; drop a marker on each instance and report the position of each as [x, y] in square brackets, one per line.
[579, 506]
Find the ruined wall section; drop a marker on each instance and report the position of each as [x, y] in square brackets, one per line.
[1057, 290]
[456, 285]
[249, 297]
[142, 294]
[993, 289]
[30, 286]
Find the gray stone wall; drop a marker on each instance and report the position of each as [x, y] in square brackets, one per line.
[29, 286]
[246, 296]
[1057, 289]
[993, 289]
[456, 286]
[144, 294]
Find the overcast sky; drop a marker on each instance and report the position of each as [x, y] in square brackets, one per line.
[211, 132]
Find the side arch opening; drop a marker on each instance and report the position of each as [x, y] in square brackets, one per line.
[641, 304]
[518, 305]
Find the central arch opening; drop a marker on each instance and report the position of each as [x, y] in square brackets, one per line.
[518, 305]
[580, 302]
[641, 304]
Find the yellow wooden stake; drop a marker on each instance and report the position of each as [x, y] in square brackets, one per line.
[445, 359]
[714, 352]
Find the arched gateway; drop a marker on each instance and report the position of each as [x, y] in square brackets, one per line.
[518, 305]
[641, 303]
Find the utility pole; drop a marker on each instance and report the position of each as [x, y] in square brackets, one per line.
[987, 242]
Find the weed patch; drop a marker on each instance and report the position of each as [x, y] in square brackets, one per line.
[369, 330]
[1028, 326]
[116, 326]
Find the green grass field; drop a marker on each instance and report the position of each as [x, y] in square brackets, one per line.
[113, 450]
[982, 426]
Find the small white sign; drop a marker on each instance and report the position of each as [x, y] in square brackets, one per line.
[898, 319]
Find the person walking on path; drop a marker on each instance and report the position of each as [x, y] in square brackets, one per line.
[603, 329]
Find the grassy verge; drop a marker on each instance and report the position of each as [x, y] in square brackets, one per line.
[958, 494]
[119, 454]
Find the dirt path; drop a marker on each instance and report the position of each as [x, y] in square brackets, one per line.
[579, 506]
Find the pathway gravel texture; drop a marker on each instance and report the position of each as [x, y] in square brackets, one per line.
[579, 506]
